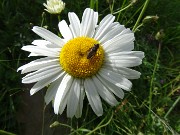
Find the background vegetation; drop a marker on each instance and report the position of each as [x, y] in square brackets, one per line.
[151, 108]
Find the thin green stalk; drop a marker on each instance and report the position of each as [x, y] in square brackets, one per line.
[92, 4]
[152, 80]
[97, 5]
[42, 132]
[43, 18]
[2, 132]
[134, 14]
[59, 17]
[111, 7]
[173, 91]
[141, 15]
[123, 9]
[172, 107]
[120, 12]
[99, 127]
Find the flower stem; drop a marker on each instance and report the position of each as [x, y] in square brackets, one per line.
[42, 132]
[43, 18]
[141, 14]
[177, 100]
[100, 124]
[92, 4]
[59, 17]
[123, 9]
[152, 80]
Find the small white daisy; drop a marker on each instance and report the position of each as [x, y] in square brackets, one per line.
[54, 6]
[90, 59]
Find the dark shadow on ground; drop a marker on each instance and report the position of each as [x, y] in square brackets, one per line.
[30, 116]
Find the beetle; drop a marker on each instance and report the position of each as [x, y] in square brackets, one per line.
[92, 51]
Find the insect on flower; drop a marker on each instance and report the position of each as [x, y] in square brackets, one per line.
[92, 51]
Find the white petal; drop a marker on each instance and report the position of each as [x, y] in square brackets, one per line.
[104, 26]
[64, 100]
[40, 42]
[38, 64]
[41, 50]
[93, 96]
[33, 54]
[62, 90]
[113, 88]
[74, 24]
[104, 92]
[81, 98]
[120, 43]
[88, 23]
[41, 74]
[128, 53]
[73, 99]
[44, 43]
[123, 61]
[49, 36]
[115, 29]
[121, 57]
[115, 78]
[41, 84]
[51, 91]
[65, 31]
[126, 72]
[125, 31]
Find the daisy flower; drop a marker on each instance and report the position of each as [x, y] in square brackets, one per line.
[91, 59]
[54, 6]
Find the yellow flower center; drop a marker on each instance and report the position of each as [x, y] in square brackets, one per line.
[82, 57]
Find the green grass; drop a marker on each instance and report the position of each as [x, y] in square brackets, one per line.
[151, 108]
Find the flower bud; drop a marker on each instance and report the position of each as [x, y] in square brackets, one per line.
[54, 6]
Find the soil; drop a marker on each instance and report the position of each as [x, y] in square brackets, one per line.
[30, 116]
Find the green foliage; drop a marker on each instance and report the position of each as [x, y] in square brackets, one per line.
[152, 106]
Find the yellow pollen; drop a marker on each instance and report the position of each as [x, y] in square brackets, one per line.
[73, 57]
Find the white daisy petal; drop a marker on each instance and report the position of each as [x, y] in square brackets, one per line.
[116, 28]
[46, 47]
[81, 98]
[65, 31]
[93, 97]
[41, 50]
[74, 24]
[123, 61]
[128, 53]
[104, 26]
[73, 101]
[62, 90]
[49, 36]
[41, 42]
[38, 64]
[41, 74]
[51, 91]
[120, 43]
[115, 78]
[41, 84]
[64, 100]
[125, 31]
[88, 23]
[126, 72]
[34, 54]
[104, 92]
[44, 43]
[113, 88]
